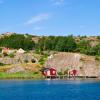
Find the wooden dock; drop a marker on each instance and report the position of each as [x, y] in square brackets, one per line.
[69, 77]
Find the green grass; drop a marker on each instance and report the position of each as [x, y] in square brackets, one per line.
[20, 75]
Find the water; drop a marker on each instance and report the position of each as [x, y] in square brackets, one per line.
[49, 90]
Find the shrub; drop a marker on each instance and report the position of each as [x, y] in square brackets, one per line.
[36, 72]
[41, 61]
[26, 61]
[98, 37]
[97, 58]
[11, 55]
[37, 51]
[59, 73]
[2, 64]
[5, 54]
[33, 60]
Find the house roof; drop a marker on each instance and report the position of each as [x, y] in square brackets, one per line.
[46, 68]
[21, 50]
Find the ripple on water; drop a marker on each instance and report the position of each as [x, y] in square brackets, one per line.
[49, 90]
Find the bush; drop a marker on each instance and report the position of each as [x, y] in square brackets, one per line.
[33, 60]
[36, 72]
[41, 61]
[98, 37]
[97, 58]
[11, 55]
[37, 51]
[26, 61]
[60, 73]
[2, 64]
[5, 54]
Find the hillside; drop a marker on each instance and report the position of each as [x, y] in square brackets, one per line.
[86, 65]
[61, 52]
[89, 45]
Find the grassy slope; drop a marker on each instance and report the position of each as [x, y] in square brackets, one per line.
[20, 75]
[32, 72]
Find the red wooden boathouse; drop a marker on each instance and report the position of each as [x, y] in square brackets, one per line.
[49, 72]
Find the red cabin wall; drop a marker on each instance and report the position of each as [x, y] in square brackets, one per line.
[52, 72]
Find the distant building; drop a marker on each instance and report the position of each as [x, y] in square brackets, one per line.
[11, 51]
[49, 72]
[8, 33]
[5, 50]
[73, 72]
[50, 57]
[21, 51]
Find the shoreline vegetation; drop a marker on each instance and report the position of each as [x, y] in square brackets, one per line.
[39, 76]
[20, 75]
[22, 56]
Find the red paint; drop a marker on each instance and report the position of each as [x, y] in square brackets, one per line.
[5, 50]
[49, 72]
[73, 72]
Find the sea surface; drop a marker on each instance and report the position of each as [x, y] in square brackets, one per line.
[49, 90]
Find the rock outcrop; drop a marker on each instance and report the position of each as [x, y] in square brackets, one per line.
[17, 68]
[17, 59]
[86, 65]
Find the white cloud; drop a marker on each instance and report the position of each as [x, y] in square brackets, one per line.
[57, 2]
[38, 18]
[37, 28]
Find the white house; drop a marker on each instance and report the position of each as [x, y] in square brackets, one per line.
[20, 51]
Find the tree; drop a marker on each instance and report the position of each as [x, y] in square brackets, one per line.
[66, 44]
[41, 43]
[71, 44]
[17, 41]
[82, 46]
[61, 44]
[97, 49]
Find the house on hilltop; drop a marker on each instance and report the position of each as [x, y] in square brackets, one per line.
[20, 51]
[5, 50]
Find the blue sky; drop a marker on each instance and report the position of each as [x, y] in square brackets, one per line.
[50, 17]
